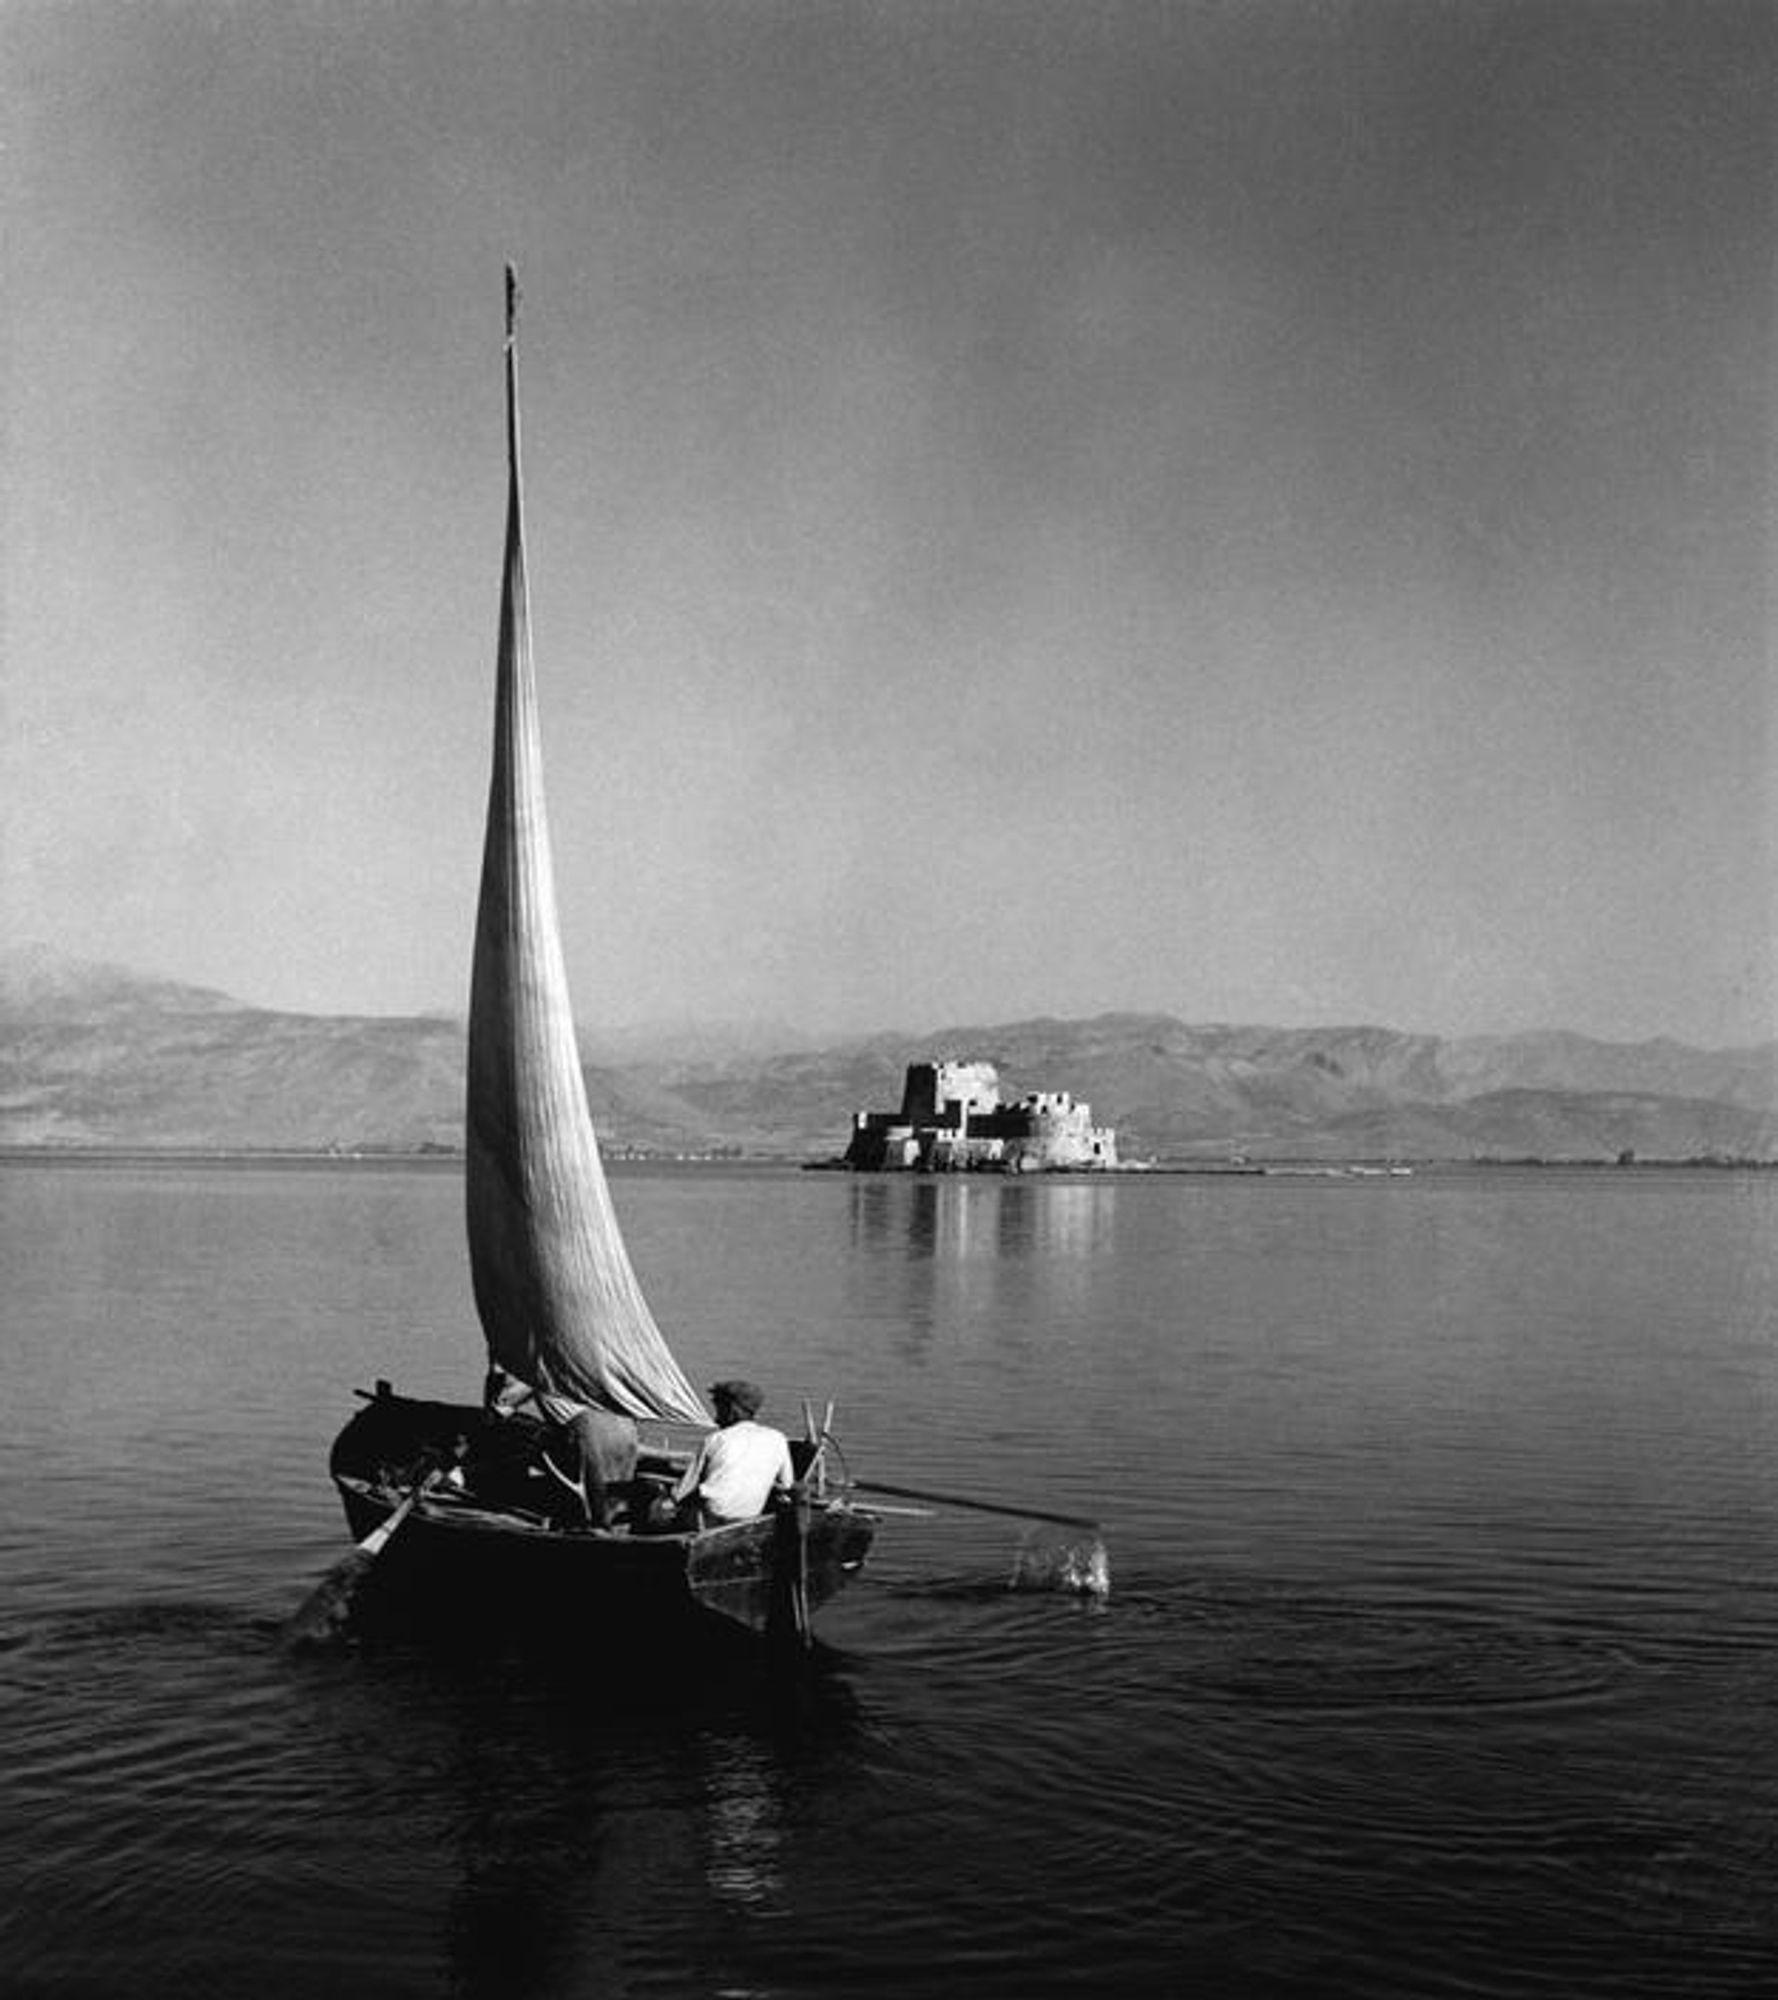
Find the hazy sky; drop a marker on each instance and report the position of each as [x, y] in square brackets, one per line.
[1259, 511]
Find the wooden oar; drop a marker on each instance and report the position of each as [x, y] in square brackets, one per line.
[373, 1544]
[979, 1506]
[328, 1605]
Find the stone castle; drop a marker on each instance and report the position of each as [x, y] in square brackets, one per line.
[952, 1121]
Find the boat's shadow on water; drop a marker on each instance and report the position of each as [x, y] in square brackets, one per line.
[553, 1662]
[596, 1814]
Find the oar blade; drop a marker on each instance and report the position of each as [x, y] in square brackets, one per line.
[326, 1613]
[327, 1610]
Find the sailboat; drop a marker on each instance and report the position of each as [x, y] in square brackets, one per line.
[465, 1500]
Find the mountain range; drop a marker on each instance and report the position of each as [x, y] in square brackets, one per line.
[99, 1056]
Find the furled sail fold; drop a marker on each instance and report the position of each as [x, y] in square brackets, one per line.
[559, 1302]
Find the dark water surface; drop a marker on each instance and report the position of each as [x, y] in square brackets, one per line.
[1441, 1658]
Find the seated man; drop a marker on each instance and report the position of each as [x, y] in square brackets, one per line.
[740, 1464]
[592, 1452]
[499, 1469]
[504, 1395]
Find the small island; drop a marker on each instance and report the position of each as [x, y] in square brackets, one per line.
[952, 1120]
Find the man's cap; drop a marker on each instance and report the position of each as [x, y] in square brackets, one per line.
[743, 1396]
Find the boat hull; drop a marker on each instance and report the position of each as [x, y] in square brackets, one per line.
[489, 1542]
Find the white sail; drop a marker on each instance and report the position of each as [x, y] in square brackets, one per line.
[559, 1302]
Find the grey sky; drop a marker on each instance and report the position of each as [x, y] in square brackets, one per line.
[1258, 511]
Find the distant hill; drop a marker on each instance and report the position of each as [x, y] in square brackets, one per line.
[96, 1055]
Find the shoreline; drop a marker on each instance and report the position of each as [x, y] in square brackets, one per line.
[1282, 1168]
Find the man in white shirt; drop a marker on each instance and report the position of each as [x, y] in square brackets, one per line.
[740, 1464]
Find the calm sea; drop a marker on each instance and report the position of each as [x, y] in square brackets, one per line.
[1441, 1656]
